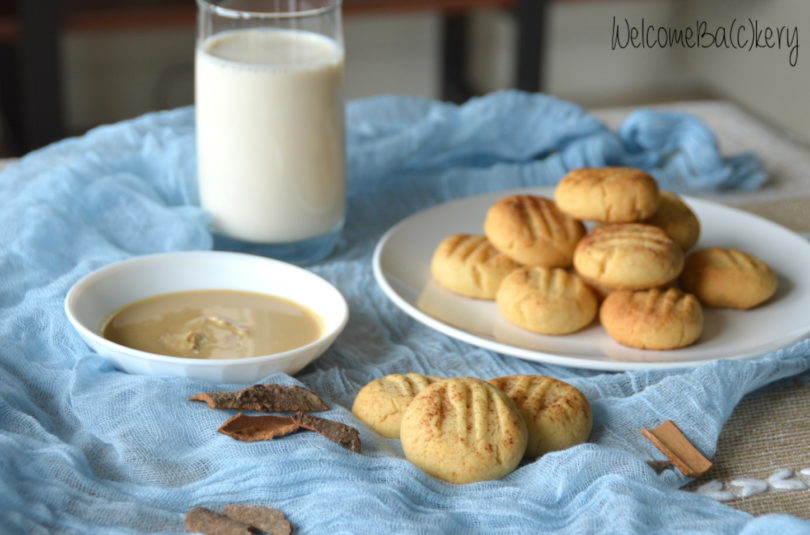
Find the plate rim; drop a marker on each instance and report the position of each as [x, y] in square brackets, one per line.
[545, 357]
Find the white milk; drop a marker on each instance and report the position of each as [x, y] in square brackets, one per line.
[270, 139]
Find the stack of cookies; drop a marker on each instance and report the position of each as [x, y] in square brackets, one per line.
[548, 273]
[463, 430]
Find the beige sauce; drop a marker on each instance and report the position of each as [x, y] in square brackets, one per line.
[213, 324]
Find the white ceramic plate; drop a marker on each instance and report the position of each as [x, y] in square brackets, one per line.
[402, 268]
[98, 295]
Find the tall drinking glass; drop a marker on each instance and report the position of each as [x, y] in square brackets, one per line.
[270, 130]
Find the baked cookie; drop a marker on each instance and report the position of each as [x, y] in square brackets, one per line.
[652, 319]
[557, 415]
[546, 300]
[728, 278]
[607, 194]
[469, 265]
[463, 430]
[628, 256]
[676, 219]
[600, 291]
[532, 231]
[381, 403]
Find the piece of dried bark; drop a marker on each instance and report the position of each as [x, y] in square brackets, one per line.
[672, 443]
[202, 520]
[660, 466]
[345, 435]
[253, 428]
[266, 519]
[265, 398]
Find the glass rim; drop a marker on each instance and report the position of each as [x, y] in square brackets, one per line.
[243, 13]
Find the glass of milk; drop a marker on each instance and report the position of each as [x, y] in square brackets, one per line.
[271, 156]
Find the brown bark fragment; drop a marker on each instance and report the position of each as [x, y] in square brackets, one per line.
[265, 398]
[202, 520]
[672, 443]
[253, 428]
[269, 520]
[343, 434]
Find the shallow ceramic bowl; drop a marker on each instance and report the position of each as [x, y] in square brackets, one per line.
[97, 296]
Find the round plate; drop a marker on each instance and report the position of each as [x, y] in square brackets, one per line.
[402, 269]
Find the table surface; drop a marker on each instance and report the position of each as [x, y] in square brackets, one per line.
[766, 427]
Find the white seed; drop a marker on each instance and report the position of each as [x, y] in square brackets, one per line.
[749, 486]
[714, 490]
[712, 486]
[789, 484]
[780, 474]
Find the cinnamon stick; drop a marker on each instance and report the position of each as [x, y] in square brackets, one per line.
[268, 520]
[202, 520]
[265, 398]
[345, 435]
[674, 444]
[252, 428]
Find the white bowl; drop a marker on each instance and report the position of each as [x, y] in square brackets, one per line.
[94, 298]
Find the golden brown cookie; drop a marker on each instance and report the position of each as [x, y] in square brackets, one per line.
[532, 231]
[600, 291]
[628, 256]
[469, 265]
[728, 278]
[381, 403]
[607, 194]
[546, 300]
[652, 319]
[463, 430]
[557, 414]
[676, 219]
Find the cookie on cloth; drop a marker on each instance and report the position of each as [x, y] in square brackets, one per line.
[469, 265]
[546, 300]
[463, 430]
[557, 414]
[381, 403]
[607, 194]
[728, 278]
[676, 219]
[628, 256]
[652, 319]
[532, 231]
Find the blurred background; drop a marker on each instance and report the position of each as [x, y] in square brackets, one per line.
[69, 65]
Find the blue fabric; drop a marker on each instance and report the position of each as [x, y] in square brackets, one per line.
[85, 448]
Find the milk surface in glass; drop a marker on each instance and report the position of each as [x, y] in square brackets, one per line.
[270, 134]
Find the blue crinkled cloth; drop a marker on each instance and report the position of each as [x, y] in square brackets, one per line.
[85, 448]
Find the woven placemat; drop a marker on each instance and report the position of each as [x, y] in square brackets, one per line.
[768, 431]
